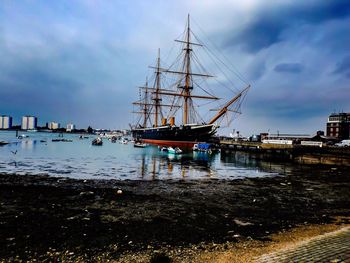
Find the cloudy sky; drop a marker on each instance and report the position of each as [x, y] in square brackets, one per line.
[82, 61]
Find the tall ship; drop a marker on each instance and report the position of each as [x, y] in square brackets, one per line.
[168, 110]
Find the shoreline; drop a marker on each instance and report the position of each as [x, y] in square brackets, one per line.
[44, 215]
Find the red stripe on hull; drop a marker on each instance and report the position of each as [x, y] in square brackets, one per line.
[183, 144]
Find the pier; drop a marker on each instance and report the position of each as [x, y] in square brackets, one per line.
[302, 154]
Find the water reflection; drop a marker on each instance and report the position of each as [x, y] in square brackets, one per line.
[28, 144]
[78, 159]
[161, 165]
[253, 160]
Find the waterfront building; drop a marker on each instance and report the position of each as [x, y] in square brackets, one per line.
[5, 122]
[54, 125]
[29, 122]
[338, 125]
[295, 138]
[70, 127]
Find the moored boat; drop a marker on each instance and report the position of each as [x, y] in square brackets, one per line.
[124, 141]
[163, 148]
[97, 142]
[205, 147]
[61, 140]
[175, 150]
[140, 145]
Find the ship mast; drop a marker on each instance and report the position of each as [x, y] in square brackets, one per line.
[186, 71]
[157, 98]
[188, 76]
[153, 107]
[145, 106]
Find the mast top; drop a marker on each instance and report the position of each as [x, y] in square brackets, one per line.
[188, 21]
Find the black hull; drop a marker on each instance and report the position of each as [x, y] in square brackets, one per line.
[186, 133]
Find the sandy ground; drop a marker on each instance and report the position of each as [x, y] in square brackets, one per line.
[242, 251]
[49, 219]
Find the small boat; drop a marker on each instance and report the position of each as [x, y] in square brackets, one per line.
[22, 136]
[163, 149]
[61, 140]
[140, 145]
[175, 150]
[205, 147]
[3, 143]
[97, 142]
[113, 139]
[124, 141]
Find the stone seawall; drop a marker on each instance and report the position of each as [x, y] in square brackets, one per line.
[327, 155]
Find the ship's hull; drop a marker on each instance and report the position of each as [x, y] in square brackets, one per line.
[183, 136]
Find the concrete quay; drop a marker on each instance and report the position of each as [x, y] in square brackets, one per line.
[327, 155]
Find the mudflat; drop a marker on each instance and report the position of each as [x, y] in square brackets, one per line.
[49, 218]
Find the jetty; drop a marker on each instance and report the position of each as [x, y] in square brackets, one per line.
[302, 154]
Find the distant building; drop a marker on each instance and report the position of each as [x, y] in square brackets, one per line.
[70, 127]
[29, 122]
[338, 125]
[54, 125]
[5, 122]
[295, 138]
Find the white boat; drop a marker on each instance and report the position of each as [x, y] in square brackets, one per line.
[175, 150]
[140, 145]
[124, 141]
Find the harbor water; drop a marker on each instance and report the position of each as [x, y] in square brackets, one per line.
[36, 153]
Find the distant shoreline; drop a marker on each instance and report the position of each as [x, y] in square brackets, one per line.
[48, 130]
